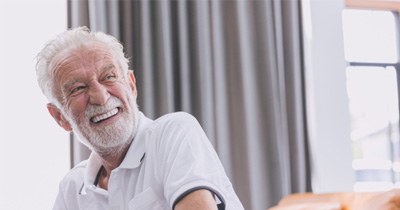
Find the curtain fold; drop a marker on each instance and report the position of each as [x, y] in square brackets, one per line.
[235, 65]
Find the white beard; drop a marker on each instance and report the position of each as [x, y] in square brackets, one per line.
[110, 139]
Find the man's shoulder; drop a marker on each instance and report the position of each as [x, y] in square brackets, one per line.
[181, 119]
[76, 174]
[173, 129]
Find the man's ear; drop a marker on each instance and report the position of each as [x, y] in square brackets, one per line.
[58, 117]
[132, 82]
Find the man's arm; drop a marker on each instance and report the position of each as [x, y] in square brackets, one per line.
[197, 200]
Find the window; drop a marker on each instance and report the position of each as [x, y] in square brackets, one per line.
[371, 50]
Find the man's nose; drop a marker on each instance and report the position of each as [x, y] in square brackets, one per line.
[98, 94]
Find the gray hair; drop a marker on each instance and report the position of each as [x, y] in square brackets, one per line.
[68, 41]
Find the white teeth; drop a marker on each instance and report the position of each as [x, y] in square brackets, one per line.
[105, 115]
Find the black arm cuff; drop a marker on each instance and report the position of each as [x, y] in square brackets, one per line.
[220, 206]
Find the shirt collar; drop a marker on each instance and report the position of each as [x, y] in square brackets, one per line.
[91, 170]
[136, 151]
[132, 158]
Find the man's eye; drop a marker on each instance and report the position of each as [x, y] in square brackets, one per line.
[77, 89]
[110, 78]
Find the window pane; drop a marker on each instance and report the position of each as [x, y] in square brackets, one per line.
[369, 36]
[374, 114]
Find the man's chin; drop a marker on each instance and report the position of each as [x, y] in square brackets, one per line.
[107, 139]
[105, 149]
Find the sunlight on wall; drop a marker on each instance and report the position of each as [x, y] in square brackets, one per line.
[34, 151]
[327, 102]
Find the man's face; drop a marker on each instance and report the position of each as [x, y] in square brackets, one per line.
[98, 100]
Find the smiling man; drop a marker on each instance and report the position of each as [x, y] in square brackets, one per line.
[136, 162]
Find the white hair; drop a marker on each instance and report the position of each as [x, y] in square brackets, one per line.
[67, 41]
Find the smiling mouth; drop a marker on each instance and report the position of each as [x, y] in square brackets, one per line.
[99, 118]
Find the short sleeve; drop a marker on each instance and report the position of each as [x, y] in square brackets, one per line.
[189, 161]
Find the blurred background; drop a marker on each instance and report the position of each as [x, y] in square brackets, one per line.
[295, 96]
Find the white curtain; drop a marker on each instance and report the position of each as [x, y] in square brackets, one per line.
[234, 64]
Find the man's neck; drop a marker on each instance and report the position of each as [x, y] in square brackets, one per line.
[110, 162]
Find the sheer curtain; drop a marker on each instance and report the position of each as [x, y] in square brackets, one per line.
[235, 65]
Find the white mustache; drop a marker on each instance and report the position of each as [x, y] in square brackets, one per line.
[94, 110]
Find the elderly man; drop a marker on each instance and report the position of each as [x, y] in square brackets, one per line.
[136, 163]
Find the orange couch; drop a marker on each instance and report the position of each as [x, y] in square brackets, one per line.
[388, 200]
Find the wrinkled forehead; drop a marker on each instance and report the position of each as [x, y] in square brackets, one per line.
[92, 54]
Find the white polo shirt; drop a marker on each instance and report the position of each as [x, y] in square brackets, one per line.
[168, 158]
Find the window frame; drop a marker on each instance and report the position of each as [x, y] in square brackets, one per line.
[394, 7]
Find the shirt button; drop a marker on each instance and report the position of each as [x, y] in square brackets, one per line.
[115, 208]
